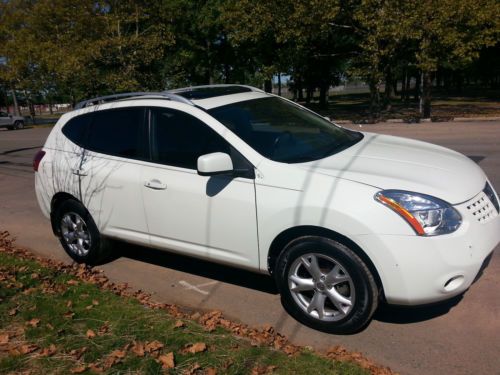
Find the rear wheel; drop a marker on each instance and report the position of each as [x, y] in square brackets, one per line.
[18, 125]
[78, 233]
[326, 286]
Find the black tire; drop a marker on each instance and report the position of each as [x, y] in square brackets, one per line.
[359, 289]
[96, 250]
[18, 125]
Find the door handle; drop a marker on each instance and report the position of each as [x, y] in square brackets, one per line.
[155, 184]
[79, 172]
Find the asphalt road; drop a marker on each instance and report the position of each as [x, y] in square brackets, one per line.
[459, 337]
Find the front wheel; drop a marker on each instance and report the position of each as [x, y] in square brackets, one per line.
[326, 286]
[78, 233]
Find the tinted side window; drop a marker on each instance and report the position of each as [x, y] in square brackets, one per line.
[117, 132]
[179, 139]
[76, 128]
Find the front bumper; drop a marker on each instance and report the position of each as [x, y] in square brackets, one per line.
[419, 270]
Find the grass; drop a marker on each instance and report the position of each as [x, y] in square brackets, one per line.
[54, 323]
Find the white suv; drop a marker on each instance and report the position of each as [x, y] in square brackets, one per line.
[237, 176]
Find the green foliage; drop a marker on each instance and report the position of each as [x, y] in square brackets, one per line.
[59, 47]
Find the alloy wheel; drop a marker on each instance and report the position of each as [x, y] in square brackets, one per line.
[321, 286]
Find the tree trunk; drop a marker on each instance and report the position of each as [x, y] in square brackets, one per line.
[300, 93]
[374, 99]
[268, 85]
[16, 106]
[323, 91]
[426, 95]
[388, 90]
[416, 94]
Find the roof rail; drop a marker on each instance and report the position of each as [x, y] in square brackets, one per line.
[191, 88]
[109, 98]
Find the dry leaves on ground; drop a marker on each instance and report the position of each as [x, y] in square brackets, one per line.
[195, 348]
[167, 360]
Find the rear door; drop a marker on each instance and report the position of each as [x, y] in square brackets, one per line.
[208, 217]
[110, 171]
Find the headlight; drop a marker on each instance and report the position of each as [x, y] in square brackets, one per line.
[428, 216]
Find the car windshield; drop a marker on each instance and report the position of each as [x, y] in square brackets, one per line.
[284, 132]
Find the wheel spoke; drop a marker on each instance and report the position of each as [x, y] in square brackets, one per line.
[335, 276]
[310, 262]
[339, 301]
[301, 284]
[318, 304]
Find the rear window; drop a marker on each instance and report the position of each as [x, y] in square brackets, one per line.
[76, 128]
[118, 132]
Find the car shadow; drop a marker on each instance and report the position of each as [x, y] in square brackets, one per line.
[413, 314]
[210, 270]
[264, 283]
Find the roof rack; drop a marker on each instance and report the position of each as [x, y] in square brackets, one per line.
[136, 95]
[194, 88]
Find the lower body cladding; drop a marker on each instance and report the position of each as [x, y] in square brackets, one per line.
[418, 270]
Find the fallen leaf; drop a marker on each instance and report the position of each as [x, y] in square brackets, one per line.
[167, 360]
[138, 348]
[13, 311]
[69, 315]
[153, 346]
[192, 369]
[78, 370]
[28, 348]
[72, 282]
[35, 276]
[33, 322]
[77, 353]
[90, 334]
[118, 354]
[211, 371]
[95, 302]
[95, 368]
[29, 291]
[89, 307]
[69, 304]
[50, 351]
[104, 329]
[179, 324]
[50, 326]
[196, 348]
[4, 338]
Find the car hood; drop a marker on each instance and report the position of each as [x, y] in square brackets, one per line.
[388, 162]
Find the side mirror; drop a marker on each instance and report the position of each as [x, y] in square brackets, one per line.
[215, 164]
[327, 118]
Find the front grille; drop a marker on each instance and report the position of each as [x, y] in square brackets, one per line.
[482, 208]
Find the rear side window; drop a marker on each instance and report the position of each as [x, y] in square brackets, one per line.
[76, 129]
[118, 132]
[179, 139]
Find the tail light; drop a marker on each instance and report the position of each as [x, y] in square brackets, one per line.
[37, 159]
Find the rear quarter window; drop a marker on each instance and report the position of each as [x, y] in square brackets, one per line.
[76, 129]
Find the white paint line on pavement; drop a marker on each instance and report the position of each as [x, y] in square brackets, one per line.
[196, 288]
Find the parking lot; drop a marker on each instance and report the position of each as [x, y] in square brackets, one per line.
[458, 337]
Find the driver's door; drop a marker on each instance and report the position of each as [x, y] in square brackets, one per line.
[208, 217]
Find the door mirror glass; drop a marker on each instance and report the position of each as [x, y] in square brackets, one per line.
[214, 164]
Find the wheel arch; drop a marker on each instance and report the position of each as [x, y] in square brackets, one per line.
[279, 243]
[56, 201]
